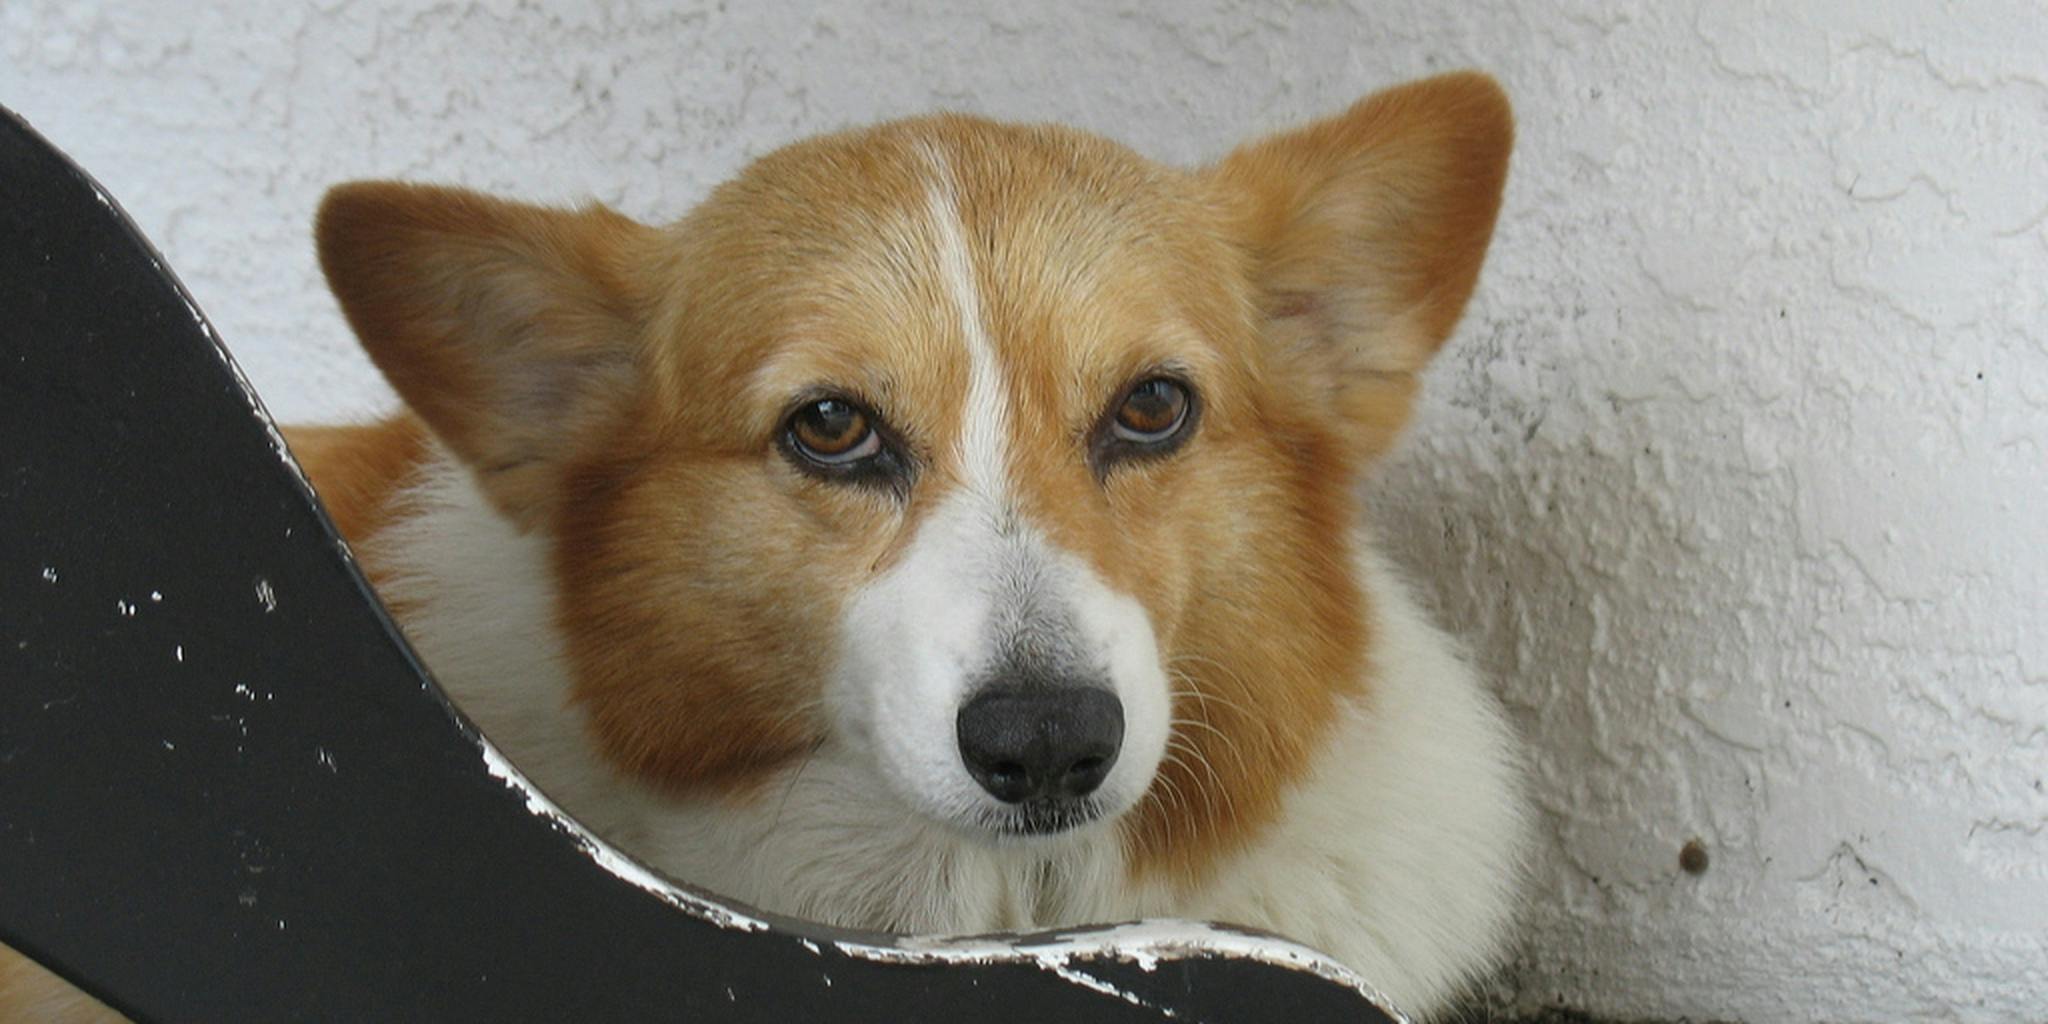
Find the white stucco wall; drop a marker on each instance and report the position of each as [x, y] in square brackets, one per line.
[1737, 473]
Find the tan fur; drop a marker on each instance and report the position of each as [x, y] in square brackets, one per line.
[31, 995]
[1305, 279]
[442, 285]
[619, 389]
[1370, 228]
[359, 470]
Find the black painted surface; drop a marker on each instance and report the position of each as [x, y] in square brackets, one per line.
[229, 792]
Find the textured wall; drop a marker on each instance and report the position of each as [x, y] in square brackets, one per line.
[1737, 474]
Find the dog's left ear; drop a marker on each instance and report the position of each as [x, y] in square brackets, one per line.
[512, 330]
[1365, 233]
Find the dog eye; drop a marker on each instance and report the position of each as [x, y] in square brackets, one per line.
[1151, 419]
[833, 432]
[1153, 411]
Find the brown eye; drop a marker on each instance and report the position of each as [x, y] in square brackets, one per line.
[1153, 412]
[833, 432]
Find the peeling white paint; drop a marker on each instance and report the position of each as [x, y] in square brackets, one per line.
[1089, 981]
[1145, 943]
[621, 866]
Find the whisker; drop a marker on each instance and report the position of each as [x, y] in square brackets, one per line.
[1228, 741]
[1204, 696]
[1216, 789]
[783, 805]
[1235, 679]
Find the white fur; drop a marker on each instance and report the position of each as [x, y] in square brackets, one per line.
[1395, 854]
[1398, 855]
[914, 640]
[917, 636]
[983, 454]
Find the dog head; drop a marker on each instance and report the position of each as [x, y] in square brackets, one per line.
[1014, 463]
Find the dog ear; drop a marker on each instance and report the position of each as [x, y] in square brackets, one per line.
[511, 329]
[1365, 233]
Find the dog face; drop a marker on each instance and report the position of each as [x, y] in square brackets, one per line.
[1012, 463]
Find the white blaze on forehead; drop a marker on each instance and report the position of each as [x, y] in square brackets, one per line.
[921, 635]
[986, 415]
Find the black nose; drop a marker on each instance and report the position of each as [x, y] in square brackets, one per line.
[1040, 742]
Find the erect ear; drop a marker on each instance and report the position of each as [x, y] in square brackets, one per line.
[1366, 232]
[510, 329]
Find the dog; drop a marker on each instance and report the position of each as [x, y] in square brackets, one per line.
[953, 526]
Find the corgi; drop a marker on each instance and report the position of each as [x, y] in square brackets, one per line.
[953, 526]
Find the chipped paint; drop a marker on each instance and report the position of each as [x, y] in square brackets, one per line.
[255, 851]
[1733, 473]
[618, 864]
[1145, 944]
[1089, 981]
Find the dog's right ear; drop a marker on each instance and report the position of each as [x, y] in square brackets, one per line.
[511, 329]
[1365, 233]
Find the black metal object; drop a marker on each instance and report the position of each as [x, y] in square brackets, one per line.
[228, 791]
